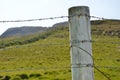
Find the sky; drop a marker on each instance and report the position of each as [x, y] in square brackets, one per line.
[35, 9]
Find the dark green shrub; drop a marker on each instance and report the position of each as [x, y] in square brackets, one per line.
[51, 73]
[23, 76]
[1, 77]
[118, 60]
[6, 78]
[35, 75]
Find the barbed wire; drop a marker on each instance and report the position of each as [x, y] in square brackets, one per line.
[95, 41]
[22, 69]
[3, 47]
[99, 18]
[53, 44]
[55, 67]
[29, 20]
[109, 67]
[49, 18]
[106, 42]
[21, 46]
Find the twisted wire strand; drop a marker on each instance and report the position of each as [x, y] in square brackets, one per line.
[93, 61]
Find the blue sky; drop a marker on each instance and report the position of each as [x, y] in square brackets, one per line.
[32, 9]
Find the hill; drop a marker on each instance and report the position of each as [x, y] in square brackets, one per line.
[63, 24]
[46, 55]
[21, 31]
[99, 27]
[105, 27]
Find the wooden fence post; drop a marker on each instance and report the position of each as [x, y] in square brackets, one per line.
[81, 49]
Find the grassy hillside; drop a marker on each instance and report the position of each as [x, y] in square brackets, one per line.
[106, 27]
[48, 58]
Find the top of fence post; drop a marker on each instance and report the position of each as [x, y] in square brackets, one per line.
[79, 10]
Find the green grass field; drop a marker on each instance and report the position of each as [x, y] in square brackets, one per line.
[49, 58]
